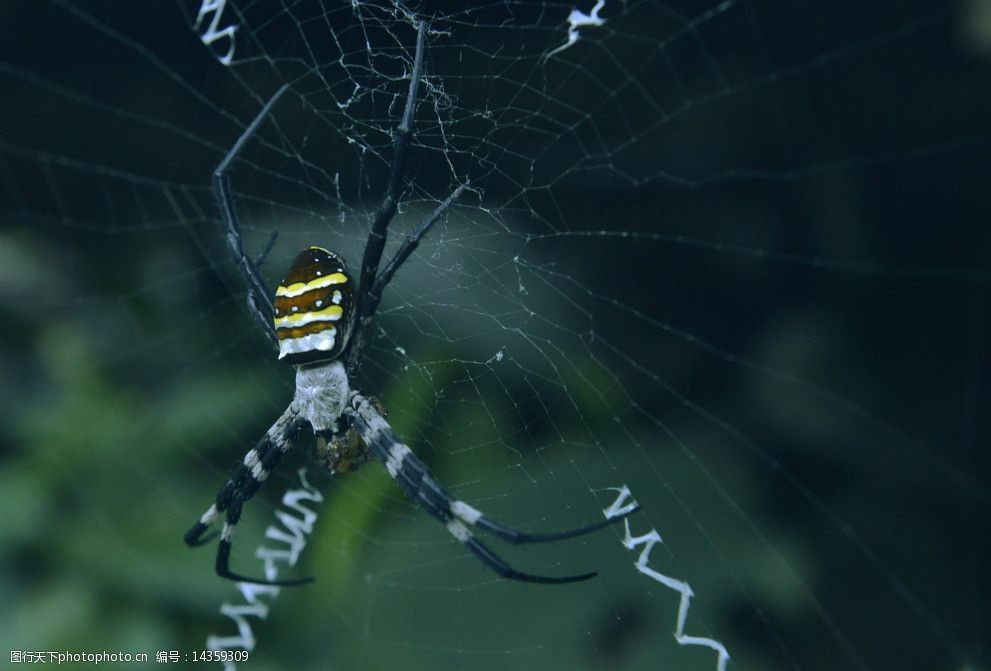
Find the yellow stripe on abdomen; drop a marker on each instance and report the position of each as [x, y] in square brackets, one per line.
[333, 313]
[302, 287]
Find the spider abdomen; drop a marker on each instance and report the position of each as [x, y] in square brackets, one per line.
[314, 307]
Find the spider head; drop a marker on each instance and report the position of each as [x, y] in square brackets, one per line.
[314, 307]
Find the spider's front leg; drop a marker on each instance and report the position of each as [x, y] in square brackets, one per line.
[259, 300]
[242, 484]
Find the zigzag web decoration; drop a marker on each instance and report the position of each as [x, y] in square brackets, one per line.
[649, 540]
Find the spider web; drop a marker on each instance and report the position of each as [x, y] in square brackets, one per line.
[732, 256]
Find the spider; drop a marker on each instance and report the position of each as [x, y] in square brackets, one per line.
[317, 321]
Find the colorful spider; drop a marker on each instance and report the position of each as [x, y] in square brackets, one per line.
[317, 319]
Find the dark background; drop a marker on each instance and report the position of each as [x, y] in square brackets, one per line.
[737, 259]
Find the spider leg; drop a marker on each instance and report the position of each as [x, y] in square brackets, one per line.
[458, 529]
[259, 300]
[409, 245]
[387, 209]
[260, 259]
[242, 484]
[417, 482]
[477, 518]
[371, 284]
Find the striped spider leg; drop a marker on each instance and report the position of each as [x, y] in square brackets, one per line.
[317, 321]
[242, 485]
[419, 484]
